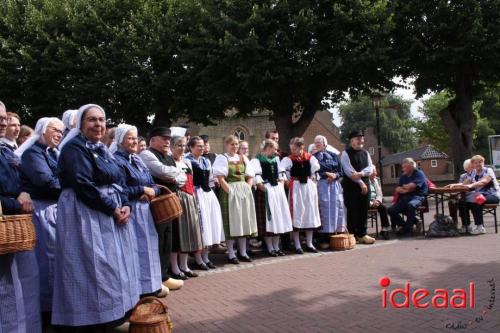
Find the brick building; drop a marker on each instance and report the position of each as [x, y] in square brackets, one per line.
[253, 129]
[371, 146]
[435, 164]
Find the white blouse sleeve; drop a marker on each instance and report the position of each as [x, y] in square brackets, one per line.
[281, 170]
[249, 171]
[220, 167]
[255, 163]
[314, 166]
[286, 165]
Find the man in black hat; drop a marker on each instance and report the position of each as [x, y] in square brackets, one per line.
[357, 167]
[164, 171]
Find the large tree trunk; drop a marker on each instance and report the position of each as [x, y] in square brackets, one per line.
[288, 129]
[458, 118]
[161, 117]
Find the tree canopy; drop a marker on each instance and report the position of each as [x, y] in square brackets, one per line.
[432, 130]
[191, 58]
[453, 46]
[396, 122]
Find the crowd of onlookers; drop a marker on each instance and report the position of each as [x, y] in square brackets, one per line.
[99, 249]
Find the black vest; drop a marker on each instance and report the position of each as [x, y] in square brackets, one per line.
[168, 161]
[359, 160]
[301, 170]
[201, 178]
[269, 172]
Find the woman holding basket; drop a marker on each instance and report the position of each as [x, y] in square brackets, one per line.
[19, 284]
[141, 189]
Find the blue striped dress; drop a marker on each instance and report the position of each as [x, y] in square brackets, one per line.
[95, 265]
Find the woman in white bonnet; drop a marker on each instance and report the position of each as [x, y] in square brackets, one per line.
[95, 265]
[39, 156]
[141, 189]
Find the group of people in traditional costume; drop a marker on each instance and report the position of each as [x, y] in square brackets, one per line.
[98, 249]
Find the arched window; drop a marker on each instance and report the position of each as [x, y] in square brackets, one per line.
[240, 133]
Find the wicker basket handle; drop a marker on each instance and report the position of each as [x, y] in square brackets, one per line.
[164, 189]
[150, 299]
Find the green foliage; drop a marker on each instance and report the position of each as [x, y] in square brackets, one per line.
[431, 129]
[396, 122]
[189, 58]
[441, 42]
[490, 108]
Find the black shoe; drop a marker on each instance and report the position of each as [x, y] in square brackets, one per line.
[245, 259]
[404, 233]
[273, 254]
[190, 274]
[311, 249]
[385, 235]
[201, 267]
[281, 253]
[180, 276]
[210, 265]
[299, 251]
[234, 261]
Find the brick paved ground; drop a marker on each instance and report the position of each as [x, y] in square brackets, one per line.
[340, 292]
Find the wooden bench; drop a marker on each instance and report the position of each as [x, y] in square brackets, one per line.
[491, 209]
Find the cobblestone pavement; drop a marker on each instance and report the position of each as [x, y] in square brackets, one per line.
[340, 291]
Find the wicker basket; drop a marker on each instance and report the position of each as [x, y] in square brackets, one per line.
[165, 207]
[150, 315]
[17, 233]
[341, 242]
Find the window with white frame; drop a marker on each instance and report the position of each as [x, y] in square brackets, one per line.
[434, 163]
[240, 133]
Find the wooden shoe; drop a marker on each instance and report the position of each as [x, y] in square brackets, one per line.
[173, 284]
[163, 292]
[366, 240]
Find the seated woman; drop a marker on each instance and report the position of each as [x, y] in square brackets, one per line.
[141, 189]
[39, 156]
[273, 215]
[457, 202]
[376, 202]
[482, 182]
[95, 266]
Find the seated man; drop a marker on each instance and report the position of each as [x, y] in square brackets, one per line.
[376, 202]
[412, 191]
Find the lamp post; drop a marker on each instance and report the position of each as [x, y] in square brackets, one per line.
[376, 101]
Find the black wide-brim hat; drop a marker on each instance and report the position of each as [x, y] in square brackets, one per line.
[355, 134]
[160, 131]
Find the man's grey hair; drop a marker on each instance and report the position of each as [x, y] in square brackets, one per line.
[409, 161]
